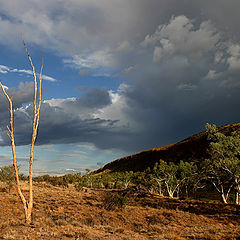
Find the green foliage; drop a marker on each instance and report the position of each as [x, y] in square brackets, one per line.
[122, 179]
[121, 201]
[61, 181]
[190, 176]
[117, 180]
[92, 181]
[167, 172]
[174, 176]
[113, 200]
[223, 165]
[82, 182]
[7, 175]
[106, 180]
[145, 180]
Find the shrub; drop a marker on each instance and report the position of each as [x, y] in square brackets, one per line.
[7, 175]
[113, 200]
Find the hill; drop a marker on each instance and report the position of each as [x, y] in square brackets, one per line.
[193, 148]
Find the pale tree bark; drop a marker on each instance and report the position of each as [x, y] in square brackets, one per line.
[224, 193]
[237, 182]
[170, 190]
[159, 182]
[27, 204]
[224, 196]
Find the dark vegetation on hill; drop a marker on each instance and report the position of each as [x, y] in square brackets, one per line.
[192, 149]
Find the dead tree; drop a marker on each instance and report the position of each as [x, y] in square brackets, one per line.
[27, 204]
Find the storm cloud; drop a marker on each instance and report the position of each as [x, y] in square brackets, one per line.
[23, 94]
[178, 63]
[66, 121]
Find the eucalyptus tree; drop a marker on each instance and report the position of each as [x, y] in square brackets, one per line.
[223, 164]
[173, 176]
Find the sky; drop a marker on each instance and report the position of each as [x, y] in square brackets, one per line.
[119, 76]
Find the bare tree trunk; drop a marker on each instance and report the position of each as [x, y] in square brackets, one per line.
[237, 198]
[224, 198]
[37, 107]
[220, 189]
[237, 182]
[26, 204]
[159, 185]
[225, 195]
[169, 190]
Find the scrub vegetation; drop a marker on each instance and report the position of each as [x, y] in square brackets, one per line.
[65, 213]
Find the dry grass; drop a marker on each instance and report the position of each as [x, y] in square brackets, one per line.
[67, 214]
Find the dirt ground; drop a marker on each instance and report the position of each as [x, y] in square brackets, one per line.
[102, 214]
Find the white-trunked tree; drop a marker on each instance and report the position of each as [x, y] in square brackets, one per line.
[27, 203]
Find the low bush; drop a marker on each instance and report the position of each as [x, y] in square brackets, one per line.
[114, 200]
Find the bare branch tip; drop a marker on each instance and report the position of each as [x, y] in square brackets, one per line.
[8, 129]
[9, 136]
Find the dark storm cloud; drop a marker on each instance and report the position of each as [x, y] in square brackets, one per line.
[23, 94]
[181, 58]
[58, 126]
[69, 121]
[94, 98]
[79, 26]
[193, 78]
[224, 14]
